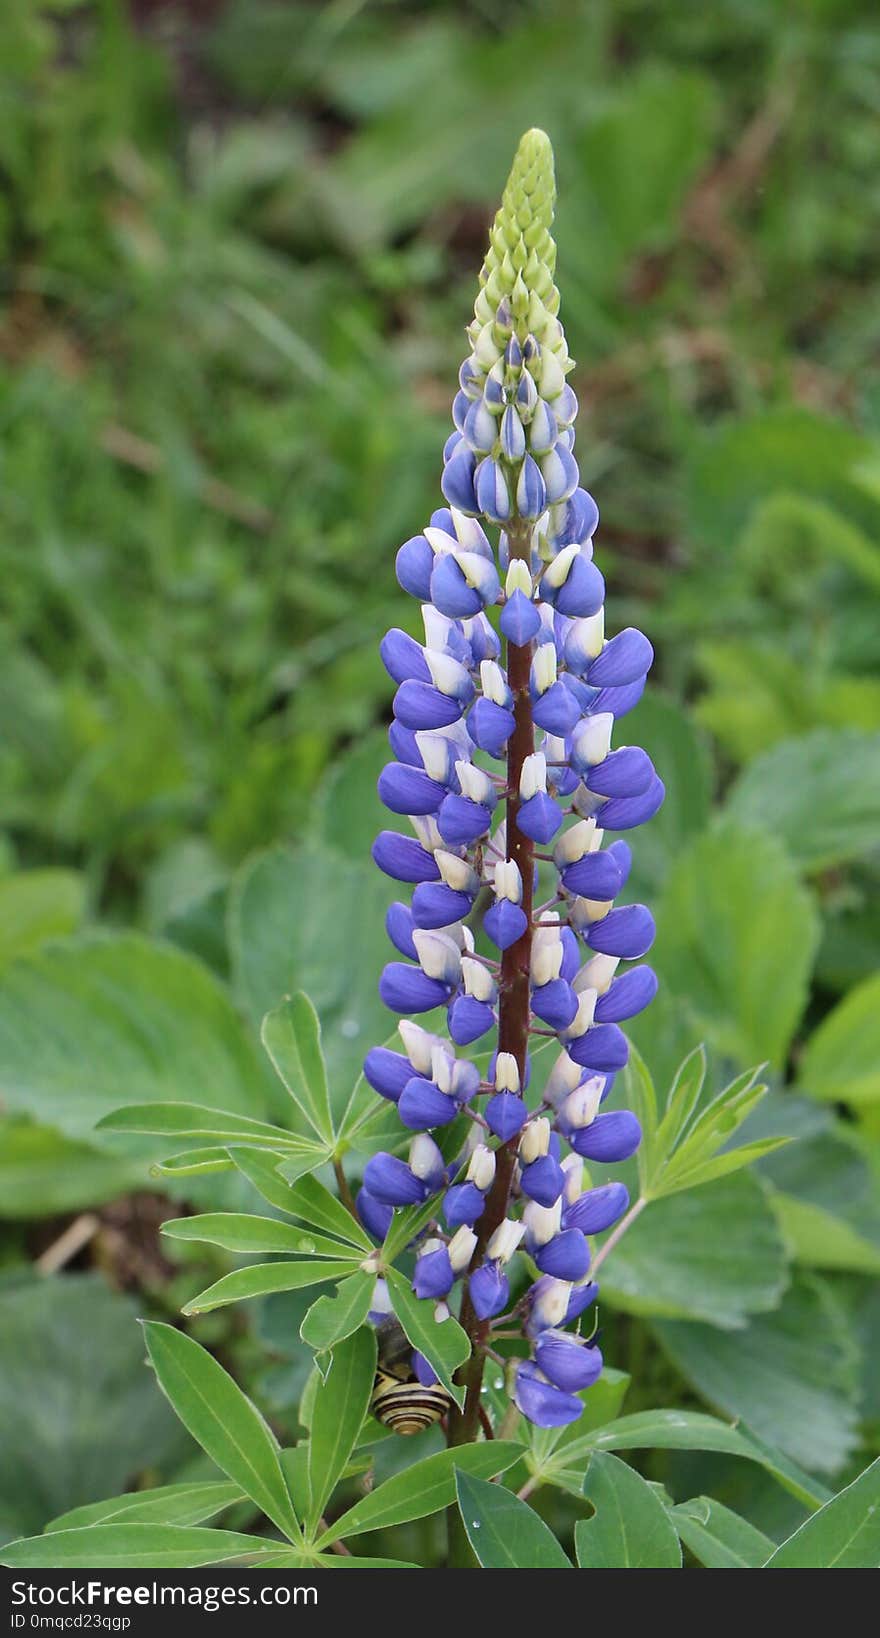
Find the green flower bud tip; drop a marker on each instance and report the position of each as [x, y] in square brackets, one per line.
[517, 292]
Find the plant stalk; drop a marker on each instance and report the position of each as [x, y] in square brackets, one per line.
[513, 1037]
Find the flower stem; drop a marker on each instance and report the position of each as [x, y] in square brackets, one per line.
[625, 1222]
[513, 1037]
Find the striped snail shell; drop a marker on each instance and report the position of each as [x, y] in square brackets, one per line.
[407, 1407]
[399, 1401]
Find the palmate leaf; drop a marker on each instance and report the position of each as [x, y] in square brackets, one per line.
[791, 1376]
[713, 1253]
[291, 1035]
[718, 1537]
[260, 1279]
[843, 1535]
[223, 1421]
[235, 1231]
[503, 1531]
[340, 1405]
[306, 1199]
[331, 1319]
[166, 1504]
[191, 1120]
[630, 1528]
[133, 1546]
[422, 1489]
[676, 1430]
[683, 1150]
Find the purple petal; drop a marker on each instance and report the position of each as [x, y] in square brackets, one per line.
[468, 1019]
[409, 790]
[569, 1364]
[422, 1105]
[463, 1203]
[420, 706]
[505, 922]
[450, 592]
[461, 821]
[433, 1276]
[374, 1214]
[387, 1072]
[489, 1290]
[436, 905]
[403, 858]
[627, 995]
[390, 1181]
[415, 561]
[490, 726]
[595, 876]
[612, 1136]
[539, 1402]
[566, 1256]
[627, 932]
[543, 1180]
[597, 1209]
[625, 812]
[555, 1003]
[624, 773]
[506, 1114]
[407, 989]
[603, 1047]
[540, 817]
[403, 657]
[623, 660]
[520, 620]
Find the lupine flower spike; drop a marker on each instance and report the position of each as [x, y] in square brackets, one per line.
[507, 739]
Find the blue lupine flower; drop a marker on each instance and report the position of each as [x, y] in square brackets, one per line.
[505, 736]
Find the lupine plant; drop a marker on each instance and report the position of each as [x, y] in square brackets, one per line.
[472, 1160]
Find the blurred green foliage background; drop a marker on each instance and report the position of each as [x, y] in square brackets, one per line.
[240, 241]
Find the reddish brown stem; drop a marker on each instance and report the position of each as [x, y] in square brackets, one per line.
[513, 1011]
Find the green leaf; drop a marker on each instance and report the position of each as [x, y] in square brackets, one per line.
[307, 1200]
[444, 1344]
[676, 746]
[827, 1197]
[260, 1279]
[292, 928]
[792, 1376]
[503, 1531]
[248, 1235]
[841, 1060]
[223, 1421]
[424, 1488]
[330, 1319]
[737, 934]
[131, 1547]
[340, 1405]
[35, 906]
[711, 1253]
[106, 1018]
[44, 1174]
[684, 1095]
[630, 1528]
[820, 794]
[719, 1538]
[79, 1416]
[641, 1097]
[166, 1504]
[193, 1163]
[192, 1120]
[843, 1535]
[292, 1037]
[692, 1430]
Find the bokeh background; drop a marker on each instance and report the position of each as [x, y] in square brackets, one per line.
[240, 241]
